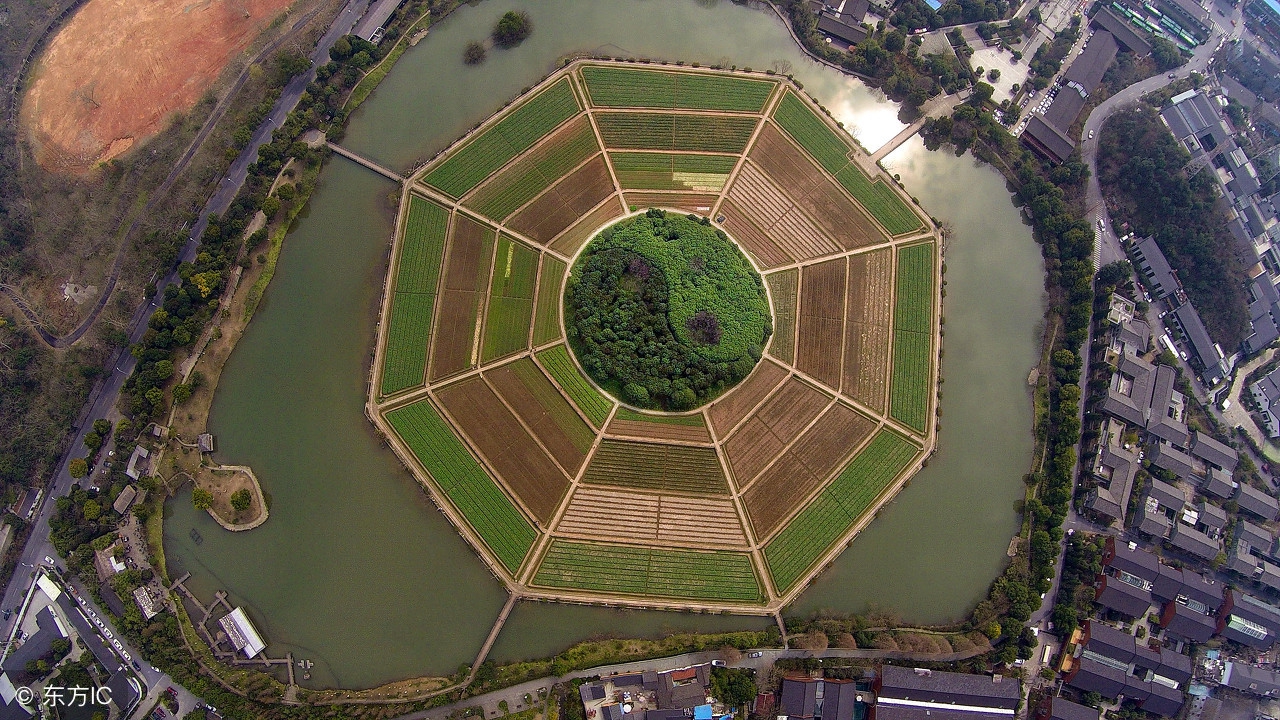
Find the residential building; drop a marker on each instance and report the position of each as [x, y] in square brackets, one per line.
[1266, 393]
[1256, 502]
[1047, 135]
[1195, 123]
[1205, 354]
[1124, 33]
[901, 690]
[1213, 452]
[1190, 15]
[818, 699]
[1252, 680]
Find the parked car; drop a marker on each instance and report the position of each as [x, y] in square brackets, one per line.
[756, 654]
[718, 663]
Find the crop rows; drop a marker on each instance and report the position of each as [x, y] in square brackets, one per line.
[527, 177]
[590, 401]
[631, 87]
[914, 308]
[546, 316]
[662, 171]
[515, 273]
[672, 468]
[814, 135]
[551, 402]
[909, 387]
[811, 533]
[686, 574]
[512, 135]
[417, 275]
[880, 200]
[667, 131]
[470, 489]
[783, 287]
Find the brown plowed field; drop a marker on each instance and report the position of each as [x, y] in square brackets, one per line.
[599, 513]
[822, 291]
[564, 202]
[838, 216]
[570, 240]
[658, 431]
[775, 424]
[119, 69]
[729, 410]
[806, 465]
[768, 207]
[510, 450]
[466, 281]
[866, 336]
[766, 252]
[545, 411]
[692, 202]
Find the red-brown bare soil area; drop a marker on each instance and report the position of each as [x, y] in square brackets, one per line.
[112, 77]
[822, 291]
[565, 202]
[729, 410]
[866, 328]
[510, 450]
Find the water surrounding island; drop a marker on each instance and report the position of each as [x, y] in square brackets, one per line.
[358, 571]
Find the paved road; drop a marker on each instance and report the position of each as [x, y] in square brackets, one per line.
[104, 396]
[514, 695]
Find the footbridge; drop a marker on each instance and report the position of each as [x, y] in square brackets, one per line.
[366, 162]
[935, 108]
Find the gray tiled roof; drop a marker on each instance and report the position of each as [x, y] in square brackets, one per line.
[1189, 624]
[1110, 642]
[1257, 502]
[1253, 680]
[1255, 535]
[946, 687]
[1133, 560]
[1189, 540]
[1118, 595]
[1170, 496]
[1124, 33]
[1156, 268]
[1198, 337]
[1240, 560]
[1211, 515]
[1254, 610]
[1066, 710]
[1165, 701]
[1219, 484]
[1213, 452]
[1093, 676]
[1202, 589]
[1170, 458]
[1168, 584]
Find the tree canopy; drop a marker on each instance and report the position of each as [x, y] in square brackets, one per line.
[512, 28]
[665, 311]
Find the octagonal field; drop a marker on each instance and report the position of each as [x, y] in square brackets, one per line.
[568, 493]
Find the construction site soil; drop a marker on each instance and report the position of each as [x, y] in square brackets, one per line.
[120, 69]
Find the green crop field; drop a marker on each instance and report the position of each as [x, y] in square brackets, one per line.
[506, 328]
[815, 136]
[546, 316]
[685, 574]
[664, 171]
[910, 385]
[657, 467]
[880, 200]
[783, 288]
[550, 400]
[684, 420]
[590, 401]
[515, 133]
[470, 489]
[821, 142]
[811, 533]
[417, 274]
[642, 88]
[668, 131]
[527, 177]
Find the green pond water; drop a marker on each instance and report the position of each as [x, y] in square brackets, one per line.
[357, 570]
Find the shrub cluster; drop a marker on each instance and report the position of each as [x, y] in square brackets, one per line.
[666, 311]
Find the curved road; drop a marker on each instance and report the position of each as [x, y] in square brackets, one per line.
[105, 394]
[159, 193]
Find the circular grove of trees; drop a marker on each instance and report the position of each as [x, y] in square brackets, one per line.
[665, 311]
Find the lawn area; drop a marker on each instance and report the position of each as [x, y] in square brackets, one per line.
[417, 275]
[800, 544]
[685, 420]
[469, 488]
[515, 273]
[911, 382]
[590, 401]
[644, 88]
[512, 135]
[684, 574]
